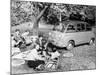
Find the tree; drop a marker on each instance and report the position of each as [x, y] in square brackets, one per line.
[26, 11]
[36, 21]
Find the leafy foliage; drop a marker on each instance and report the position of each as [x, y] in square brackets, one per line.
[25, 11]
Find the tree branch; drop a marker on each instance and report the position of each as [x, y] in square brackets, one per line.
[41, 13]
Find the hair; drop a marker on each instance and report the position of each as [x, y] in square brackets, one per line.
[40, 35]
[17, 30]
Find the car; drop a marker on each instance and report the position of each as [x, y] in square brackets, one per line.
[71, 33]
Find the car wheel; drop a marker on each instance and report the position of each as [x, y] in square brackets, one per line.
[70, 45]
[92, 41]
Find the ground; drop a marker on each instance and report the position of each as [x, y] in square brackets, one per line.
[82, 57]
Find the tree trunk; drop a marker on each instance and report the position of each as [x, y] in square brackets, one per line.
[36, 21]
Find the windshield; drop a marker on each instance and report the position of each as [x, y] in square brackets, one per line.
[60, 27]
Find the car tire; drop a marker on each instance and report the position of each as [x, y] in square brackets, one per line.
[70, 45]
[92, 41]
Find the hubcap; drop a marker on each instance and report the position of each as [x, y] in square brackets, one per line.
[91, 42]
[70, 46]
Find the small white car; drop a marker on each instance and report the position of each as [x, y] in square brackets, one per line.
[71, 33]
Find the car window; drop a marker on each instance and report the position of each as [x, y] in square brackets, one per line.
[71, 27]
[88, 27]
[60, 28]
[78, 27]
[81, 27]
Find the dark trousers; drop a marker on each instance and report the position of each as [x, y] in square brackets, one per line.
[34, 64]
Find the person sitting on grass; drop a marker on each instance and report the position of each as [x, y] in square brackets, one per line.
[34, 60]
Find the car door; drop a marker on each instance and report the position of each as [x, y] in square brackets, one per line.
[89, 33]
[69, 34]
[81, 33]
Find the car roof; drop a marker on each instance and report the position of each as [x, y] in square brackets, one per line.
[74, 22]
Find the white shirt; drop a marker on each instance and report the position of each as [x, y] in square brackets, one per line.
[13, 42]
[55, 54]
[25, 34]
[15, 50]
